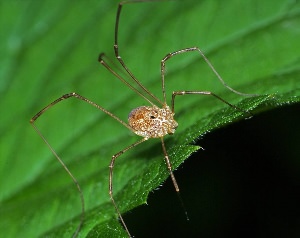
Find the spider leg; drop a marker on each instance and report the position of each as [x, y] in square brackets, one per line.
[70, 174]
[176, 93]
[169, 166]
[33, 120]
[76, 95]
[170, 55]
[111, 166]
[119, 58]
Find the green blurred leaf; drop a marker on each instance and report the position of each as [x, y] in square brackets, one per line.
[50, 48]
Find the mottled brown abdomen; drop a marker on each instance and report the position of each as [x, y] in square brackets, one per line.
[152, 121]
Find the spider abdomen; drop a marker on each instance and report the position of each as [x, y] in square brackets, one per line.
[152, 121]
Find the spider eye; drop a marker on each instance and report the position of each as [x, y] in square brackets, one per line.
[152, 117]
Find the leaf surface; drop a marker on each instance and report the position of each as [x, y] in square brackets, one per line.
[49, 49]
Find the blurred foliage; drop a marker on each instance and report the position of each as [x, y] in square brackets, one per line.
[50, 48]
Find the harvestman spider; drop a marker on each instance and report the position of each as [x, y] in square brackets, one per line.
[146, 121]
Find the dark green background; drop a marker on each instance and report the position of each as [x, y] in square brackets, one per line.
[244, 184]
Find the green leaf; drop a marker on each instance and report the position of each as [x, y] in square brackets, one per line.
[50, 48]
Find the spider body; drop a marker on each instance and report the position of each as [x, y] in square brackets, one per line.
[152, 121]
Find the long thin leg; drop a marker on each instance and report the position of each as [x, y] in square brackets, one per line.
[170, 55]
[69, 95]
[70, 174]
[119, 58]
[32, 121]
[111, 166]
[169, 166]
[109, 68]
[180, 93]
